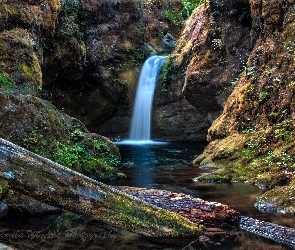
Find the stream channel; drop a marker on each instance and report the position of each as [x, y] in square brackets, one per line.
[161, 166]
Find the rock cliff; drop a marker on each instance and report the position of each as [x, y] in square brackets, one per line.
[201, 72]
[253, 139]
[29, 121]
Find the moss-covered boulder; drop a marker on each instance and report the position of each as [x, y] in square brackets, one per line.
[38, 126]
[280, 199]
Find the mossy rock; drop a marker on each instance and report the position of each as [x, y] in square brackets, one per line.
[38, 126]
[3, 188]
[280, 199]
[19, 62]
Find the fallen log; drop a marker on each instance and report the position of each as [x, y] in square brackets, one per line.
[51, 183]
[195, 209]
[279, 234]
[212, 214]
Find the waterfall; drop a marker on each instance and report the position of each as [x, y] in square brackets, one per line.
[142, 110]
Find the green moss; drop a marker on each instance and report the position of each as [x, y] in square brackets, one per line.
[189, 6]
[3, 188]
[166, 76]
[20, 61]
[263, 95]
[281, 197]
[93, 157]
[121, 211]
[265, 168]
[218, 176]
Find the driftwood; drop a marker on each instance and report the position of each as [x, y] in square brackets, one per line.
[279, 234]
[58, 186]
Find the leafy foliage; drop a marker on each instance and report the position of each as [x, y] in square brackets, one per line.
[4, 82]
[189, 6]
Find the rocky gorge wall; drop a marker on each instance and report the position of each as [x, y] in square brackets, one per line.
[253, 139]
[86, 58]
[201, 71]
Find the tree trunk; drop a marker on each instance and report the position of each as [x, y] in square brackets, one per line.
[61, 187]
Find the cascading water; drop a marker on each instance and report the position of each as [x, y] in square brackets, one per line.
[140, 131]
[141, 118]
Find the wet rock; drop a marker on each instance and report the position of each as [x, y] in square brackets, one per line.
[208, 58]
[253, 139]
[168, 43]
[4, 247]
[3, 209]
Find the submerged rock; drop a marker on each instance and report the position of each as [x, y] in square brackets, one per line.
[3, 209]
[280, 199]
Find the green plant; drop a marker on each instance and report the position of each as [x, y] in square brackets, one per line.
[282, 130]
[70, 156]
[173, 16]
[249, 130]
[235, 81]
[270, 71]
[278, 80]
[251, 71]
[273, 114]
[262, 95]
[107, 156]
[4, 82]
[189, 6]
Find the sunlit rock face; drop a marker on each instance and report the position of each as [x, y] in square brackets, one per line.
[253, 139]
[201, 72]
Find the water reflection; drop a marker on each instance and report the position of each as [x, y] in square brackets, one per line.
[142, 160]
